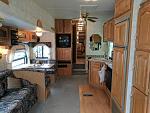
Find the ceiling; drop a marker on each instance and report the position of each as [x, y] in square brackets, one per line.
[71, 8]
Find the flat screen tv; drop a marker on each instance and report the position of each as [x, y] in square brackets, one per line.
[63, 41]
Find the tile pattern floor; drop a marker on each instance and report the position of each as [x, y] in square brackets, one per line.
[64, 96]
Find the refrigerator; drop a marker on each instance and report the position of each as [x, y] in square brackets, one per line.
[120, 57]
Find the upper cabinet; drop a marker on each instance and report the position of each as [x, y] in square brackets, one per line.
[122, 6]
[4, 36]
[109, 30]
[26, 36]
[143, 35]
[121, 31]
[59, 25]
[63, 26]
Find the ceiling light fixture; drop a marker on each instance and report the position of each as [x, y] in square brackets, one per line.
[39, 32]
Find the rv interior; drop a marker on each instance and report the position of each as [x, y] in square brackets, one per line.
[74, 56]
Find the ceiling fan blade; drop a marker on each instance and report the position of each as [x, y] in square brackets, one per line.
[92, 17]
[91, 20]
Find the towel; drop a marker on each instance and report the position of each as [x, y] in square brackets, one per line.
[102, 74]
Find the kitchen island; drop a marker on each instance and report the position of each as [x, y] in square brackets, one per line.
[36, 74]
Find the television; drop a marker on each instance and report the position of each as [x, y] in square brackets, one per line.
[63, 40]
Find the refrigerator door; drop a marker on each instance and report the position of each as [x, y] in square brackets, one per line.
[121, 33]
[119, 72]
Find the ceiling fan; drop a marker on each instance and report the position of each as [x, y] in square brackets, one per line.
[85, 16]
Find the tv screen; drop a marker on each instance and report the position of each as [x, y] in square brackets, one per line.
[63, 41]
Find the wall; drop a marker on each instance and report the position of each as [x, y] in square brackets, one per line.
[26, 12]
[50, 37]
[97, 28]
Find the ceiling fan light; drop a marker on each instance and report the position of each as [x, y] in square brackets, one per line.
[39, 33]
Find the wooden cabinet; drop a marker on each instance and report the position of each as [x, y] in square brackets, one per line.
[64, 54]
[64, 69]
[59, 26]
[5, 39]
[143, 33]
[94, 68]
[67, 26]
[122, 6]
[24, 36]
[141, 84]
[109, 30]
[118, 81]
[121, 31]
[142, 71]
[140, 102]
[63, 26]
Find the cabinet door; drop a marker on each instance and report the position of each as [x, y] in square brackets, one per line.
[121, 31]
[67, 54]
[94, 79]
[105, 31]
[67, 26]
[142, 71]
[118, 75]
[59, 26]
[139, 102]
[111, 30]
[60, 55]
[122, 6]
[143, 35]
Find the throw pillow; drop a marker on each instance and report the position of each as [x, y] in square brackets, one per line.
[13, 83]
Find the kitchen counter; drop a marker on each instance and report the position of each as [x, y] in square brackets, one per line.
[107, 62]
[37, 67]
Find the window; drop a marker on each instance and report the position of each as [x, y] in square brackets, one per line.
[41, 51]
[20, 57]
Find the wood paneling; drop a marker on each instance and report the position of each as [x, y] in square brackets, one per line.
[122, 6]
[118, 81]
[142, 71]
[139, 102]
[121, 33]
[143, 35]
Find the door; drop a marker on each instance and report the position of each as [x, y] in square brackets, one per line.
[139, 102]
[121, 32]
[143, 33]
[59, 26]
[66, 53]
[142, 71]
[122, 6]
[118, 82]
[67, 27]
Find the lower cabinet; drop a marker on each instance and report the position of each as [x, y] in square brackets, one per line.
[140, 102]
[94, 68]
[64, 70]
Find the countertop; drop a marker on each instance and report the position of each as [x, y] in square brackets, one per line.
[32, 67]
[107, 62]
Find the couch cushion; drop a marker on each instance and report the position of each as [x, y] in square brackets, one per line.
[13, 83]
[2, 89]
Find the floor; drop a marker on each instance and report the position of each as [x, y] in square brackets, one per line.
[64, 96]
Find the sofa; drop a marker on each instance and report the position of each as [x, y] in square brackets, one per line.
[17, 100]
